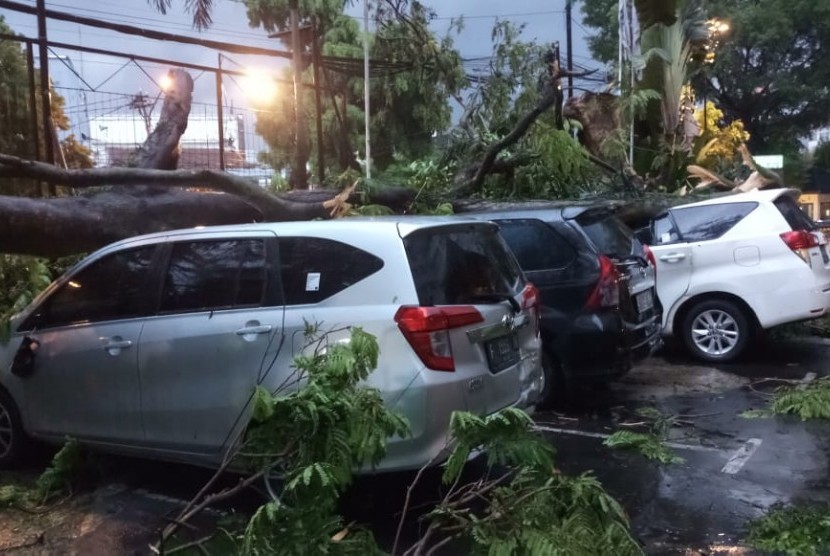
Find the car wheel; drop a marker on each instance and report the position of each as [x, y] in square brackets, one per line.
[11, 432]
[556, 391]
[716, 331]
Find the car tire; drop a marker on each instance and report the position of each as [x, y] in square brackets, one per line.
[716, 331]
[556, 391]
[12, 437]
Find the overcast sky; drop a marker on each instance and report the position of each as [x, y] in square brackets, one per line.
[544, 20]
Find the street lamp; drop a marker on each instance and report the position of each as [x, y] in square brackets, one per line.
[165, 82]
[259, 85]
[717, 29]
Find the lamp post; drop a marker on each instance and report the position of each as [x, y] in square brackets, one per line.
[717, 29]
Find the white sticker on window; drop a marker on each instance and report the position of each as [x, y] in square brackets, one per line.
[312, 282]
[665, 238]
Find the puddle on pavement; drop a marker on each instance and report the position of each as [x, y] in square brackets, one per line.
[657, 379]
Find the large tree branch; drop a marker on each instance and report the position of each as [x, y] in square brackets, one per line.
[269, 206]
[551, 97]
[69, 225]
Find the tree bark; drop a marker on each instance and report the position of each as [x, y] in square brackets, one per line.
[161, 149]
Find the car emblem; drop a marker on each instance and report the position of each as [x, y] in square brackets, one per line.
[476, 384]
[509, 322]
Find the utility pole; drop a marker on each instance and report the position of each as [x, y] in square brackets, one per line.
[569, 37]
[366, 88]
[315, 60]
[299, 174]
[220, 115]
[46, 104]
[33, 123]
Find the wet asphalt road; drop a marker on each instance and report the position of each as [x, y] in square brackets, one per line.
[734, 468]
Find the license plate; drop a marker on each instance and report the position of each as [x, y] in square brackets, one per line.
[645, 301]
[502, 352]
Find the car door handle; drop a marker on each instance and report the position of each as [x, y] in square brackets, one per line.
[114, 345]
[673, 257]
[258, 329]
[119, 344]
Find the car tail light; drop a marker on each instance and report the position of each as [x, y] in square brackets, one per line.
[532, 301]
[427, 331]
[650, 256]
[800, 241]
[607, 291]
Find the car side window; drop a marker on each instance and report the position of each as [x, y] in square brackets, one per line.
[111, 288]
[208, 275]
[711, 221]
[314, 269]
[663, 231]
[536, 245]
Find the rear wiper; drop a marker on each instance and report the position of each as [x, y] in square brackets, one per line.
[510, 298]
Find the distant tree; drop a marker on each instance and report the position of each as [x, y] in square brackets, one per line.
[16, 131]
[770, 69]
[417, 75]
[821, 157]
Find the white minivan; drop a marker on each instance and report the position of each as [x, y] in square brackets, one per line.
[731, 265]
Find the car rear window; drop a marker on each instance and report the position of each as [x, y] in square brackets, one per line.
[461, 264]
[710, 221]
[609, 234]
[794, 216]
[536, 245]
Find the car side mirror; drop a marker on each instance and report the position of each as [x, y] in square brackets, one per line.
[23, 364]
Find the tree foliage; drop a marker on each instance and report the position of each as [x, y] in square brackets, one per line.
[771, 70]
[792, 530]
[718, 140]
[415, 76]
[523, 506]
[16, 114]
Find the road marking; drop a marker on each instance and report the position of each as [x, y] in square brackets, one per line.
[574, 432]
[804, 382]
[740, 457]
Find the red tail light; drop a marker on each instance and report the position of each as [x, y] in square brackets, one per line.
[800, 241]
[650, 255]
[532, 301]
[427, 331]
[607, 291]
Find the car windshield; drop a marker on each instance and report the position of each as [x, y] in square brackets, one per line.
[609, 234]
[462, 264]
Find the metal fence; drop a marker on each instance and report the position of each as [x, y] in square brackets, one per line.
[111, 123]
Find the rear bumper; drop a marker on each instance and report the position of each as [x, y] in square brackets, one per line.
[429, 406]
[601, 346]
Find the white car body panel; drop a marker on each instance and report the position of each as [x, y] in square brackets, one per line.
[750, 262]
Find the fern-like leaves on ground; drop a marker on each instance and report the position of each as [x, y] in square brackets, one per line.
[313, 439]
[648, 444]
[795, 531]
[808, 402]
[524, 506]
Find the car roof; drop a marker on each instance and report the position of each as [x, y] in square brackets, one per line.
[754, 195]
[548, 210]
[391, 225]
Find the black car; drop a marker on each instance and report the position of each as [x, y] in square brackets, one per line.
[600, 312]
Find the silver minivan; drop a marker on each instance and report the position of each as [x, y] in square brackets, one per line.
[154, 345]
